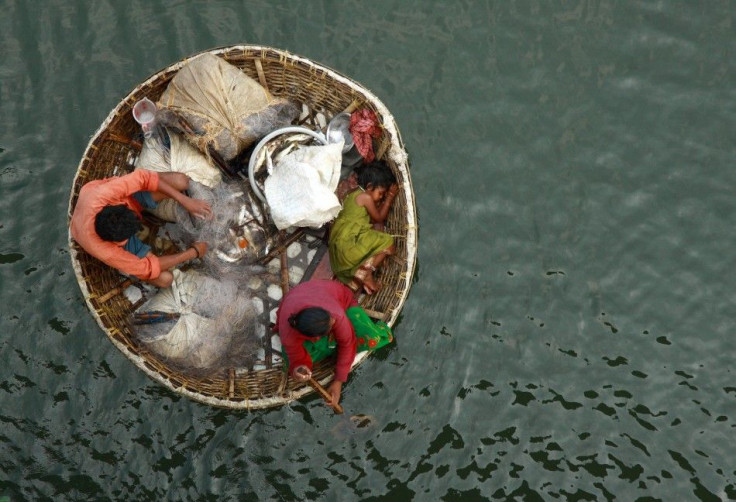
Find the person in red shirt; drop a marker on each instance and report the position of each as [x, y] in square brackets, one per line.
[108, 213]
[318, 318]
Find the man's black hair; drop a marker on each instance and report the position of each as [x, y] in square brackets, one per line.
[116, 223]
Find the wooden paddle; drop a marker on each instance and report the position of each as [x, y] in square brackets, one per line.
[325, 395]
[154, 317]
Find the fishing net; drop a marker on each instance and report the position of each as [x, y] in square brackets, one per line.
[224, 109]
[215, 302]
[239, 231]
[204, 332]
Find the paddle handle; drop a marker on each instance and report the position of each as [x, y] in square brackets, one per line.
[325, 395]
[115, 291]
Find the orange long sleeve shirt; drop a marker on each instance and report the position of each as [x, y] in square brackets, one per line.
[94, 196]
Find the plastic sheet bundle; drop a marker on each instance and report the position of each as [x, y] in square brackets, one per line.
[179, 157]
[224, 108]
[206, 328]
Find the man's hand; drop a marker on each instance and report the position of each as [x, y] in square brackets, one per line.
[198, 208]
[302, 374]
[169, 261]
[201, 248]
[334, 390]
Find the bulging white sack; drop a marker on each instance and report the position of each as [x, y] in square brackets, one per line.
[301, 190]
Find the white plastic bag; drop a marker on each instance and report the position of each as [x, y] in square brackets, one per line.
[301, 190]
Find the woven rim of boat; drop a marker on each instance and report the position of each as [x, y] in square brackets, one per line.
[109, 153]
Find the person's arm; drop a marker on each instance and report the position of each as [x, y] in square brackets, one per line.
[197, 250]
[346, 347]
[378, 214]
[146, 268]
[334, 389]
[344, 295]
[297, 355]
[196, 207]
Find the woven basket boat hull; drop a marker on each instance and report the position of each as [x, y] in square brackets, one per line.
[111, 152]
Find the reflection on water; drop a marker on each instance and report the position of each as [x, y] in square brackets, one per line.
[570, 331]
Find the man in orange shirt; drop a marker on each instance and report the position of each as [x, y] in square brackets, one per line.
[107, 216]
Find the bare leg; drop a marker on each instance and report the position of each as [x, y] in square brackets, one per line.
[164, 280]
[366, 270]
[364, 275]
[364, 278]
[378, 259]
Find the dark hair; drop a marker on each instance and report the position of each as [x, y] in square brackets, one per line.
[116, 223]
[375, 174]
[311, 321]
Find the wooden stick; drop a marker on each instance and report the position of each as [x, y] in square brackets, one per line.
[116, 290]
[284, 289]
[284, 273]
[352, 106]
[154, 317]
[231, 380]
[262, 77]
[375, 314]
[325, 395]
[126, 141]
[281, 247]
[219, 161]
[382, 147]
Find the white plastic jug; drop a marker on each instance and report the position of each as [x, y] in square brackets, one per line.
[144, 112]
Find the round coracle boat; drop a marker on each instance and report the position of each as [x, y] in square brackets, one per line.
[280, 258]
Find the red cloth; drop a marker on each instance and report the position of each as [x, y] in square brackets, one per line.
[94, 196]
[335, 298]
[364, 127]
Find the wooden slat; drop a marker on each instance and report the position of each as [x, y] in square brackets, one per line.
[262, 78]
[375, 314]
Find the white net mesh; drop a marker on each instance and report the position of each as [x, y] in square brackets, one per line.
[215, 298]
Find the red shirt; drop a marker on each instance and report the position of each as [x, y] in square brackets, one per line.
[97, 194]
[335, 298]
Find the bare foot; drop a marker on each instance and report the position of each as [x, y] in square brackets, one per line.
[370, 285]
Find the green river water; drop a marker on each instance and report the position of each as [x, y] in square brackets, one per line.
[571, 331]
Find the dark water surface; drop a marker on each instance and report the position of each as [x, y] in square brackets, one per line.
[572, 328]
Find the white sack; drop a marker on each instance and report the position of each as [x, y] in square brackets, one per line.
[226, 108]
[183, 158]
[194, 340]
[153, 157]
[301, 190]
